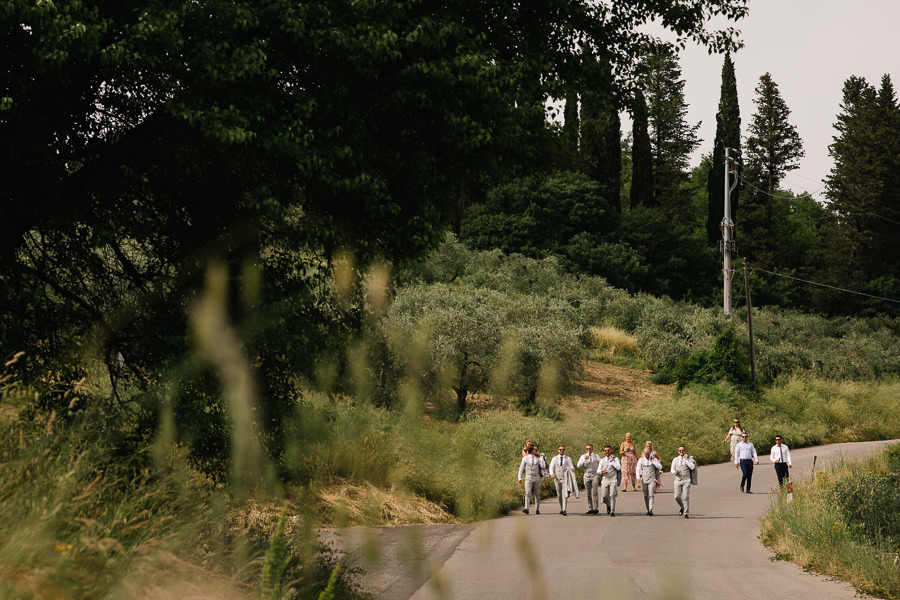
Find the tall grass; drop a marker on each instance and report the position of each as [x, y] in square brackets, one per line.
[467, 469]
[78, 521]
[89, 509]
[813, 531]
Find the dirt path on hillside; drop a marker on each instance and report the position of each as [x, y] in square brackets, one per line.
[605, 383]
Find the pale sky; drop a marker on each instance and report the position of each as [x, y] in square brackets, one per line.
[810, 47]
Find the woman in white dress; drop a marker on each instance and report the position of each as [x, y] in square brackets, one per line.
[734, 434]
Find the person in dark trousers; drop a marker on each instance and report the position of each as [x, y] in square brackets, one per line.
[744, 458]
[781, 456]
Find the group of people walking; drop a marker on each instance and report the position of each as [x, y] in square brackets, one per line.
[604, 474]
[744, 456]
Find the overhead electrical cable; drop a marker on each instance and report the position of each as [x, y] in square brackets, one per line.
[825, 285]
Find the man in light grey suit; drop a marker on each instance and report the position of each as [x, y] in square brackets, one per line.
[610, 469]
[647, 469]
[682, 467]
[530, 467]
[590, 462]
[560, 470]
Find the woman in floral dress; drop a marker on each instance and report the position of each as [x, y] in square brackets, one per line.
[629, 463]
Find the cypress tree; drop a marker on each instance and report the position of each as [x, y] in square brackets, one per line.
[570, 123]
[888, 136]
[641, 155]
[601, 151]
[728, 135]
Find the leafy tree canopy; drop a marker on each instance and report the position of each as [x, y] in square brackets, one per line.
[143, 140]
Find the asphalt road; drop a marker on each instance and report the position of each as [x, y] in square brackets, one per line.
[715, 554]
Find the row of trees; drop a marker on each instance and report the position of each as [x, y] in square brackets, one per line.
[144, 141]
[654, 224]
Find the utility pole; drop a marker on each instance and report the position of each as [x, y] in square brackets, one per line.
[750, 327]
[728, 233]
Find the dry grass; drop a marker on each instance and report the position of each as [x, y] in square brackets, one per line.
[615, 342]
[255, 516]
[347, 504]
[167, 577]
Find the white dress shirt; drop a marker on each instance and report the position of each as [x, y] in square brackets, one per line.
[780, 454]
[680, 461]
[745, 451]
[559, 465]
[611, 464]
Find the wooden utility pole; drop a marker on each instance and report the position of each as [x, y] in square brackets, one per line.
[750, 327]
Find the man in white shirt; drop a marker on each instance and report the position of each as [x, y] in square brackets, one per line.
[590, 462]
[781, 456]
[682, 465]
[530, 467]
[609, 470]
[744, 459]
[560, 467]
[647, 469]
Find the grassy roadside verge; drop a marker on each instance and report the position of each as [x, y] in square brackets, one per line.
[78, 519]
[467, 470]
[844, 522]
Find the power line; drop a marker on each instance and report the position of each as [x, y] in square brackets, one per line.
[871, 214]
[825, 285]
[809, 194]
[750, 185]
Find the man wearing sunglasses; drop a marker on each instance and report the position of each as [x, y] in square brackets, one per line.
[591, 463]
[744, 459]
[683, 468]
[781, 456]
[611, 470]
[561, 470]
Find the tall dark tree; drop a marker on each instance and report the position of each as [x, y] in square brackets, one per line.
[601, 133]
[728, 135]
[641, 155]
[571, 125]
[671, 137]
[862, 192]
[888, 134]
[773, 148]
[143, 140]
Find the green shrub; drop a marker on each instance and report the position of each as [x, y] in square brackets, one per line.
[870, 501]
[892, 459]
[467, 339]
[724, 362]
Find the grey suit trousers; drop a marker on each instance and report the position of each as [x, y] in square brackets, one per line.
[562, 491]
[649, 489]
[683, 494]
[591, 490]
[610, 491]
[533, 488]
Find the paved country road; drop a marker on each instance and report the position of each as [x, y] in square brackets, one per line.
[716, 554]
